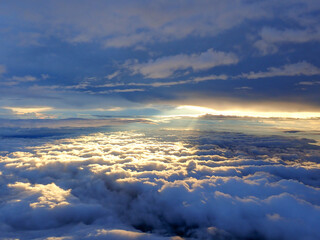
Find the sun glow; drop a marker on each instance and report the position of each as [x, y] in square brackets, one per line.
[24, 110]
[36, 111]
[198, 111]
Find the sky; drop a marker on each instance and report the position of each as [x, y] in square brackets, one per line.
[79, 59]
[159, 120]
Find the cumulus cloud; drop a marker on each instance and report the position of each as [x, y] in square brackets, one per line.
[167, 66]
[295, 69]
[162, 184]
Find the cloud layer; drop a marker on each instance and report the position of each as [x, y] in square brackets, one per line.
[162, 184]
[166, 66]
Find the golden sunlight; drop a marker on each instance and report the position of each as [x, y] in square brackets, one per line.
[24, 110]
[197, 111]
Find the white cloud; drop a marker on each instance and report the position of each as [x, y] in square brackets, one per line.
[140, 23]
[243, 88]
[211, 77]
[128, 90]
[309, 83]
[295, 69]
[32, 112]
[112, 75]
[166, 66]
[127, 41]
[128, 24]
[271, 37]
[161, 84]
[18, 79]
[199, 185]
[26, 78]
[116, 24]
[67, 123]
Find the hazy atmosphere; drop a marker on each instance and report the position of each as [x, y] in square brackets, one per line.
[160, 119]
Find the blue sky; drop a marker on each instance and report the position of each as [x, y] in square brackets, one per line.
[63, 59]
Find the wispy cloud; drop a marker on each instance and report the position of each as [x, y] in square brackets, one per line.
[309, 83]
[295, 69]
[112, 75]
[152, 84]
[166, 66]
[271, 37]
[15, 80]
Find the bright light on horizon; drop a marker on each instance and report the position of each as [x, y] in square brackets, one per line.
[24, 110]
[197, 111]
[36, 111]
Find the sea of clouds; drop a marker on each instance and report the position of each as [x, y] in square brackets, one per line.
[167, 184]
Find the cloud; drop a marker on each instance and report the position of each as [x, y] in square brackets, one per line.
[30, 112]
[2, 69]
[123, 24]
[157, 184]
[128, 90]
[23, 110]
[26, 78]
[73, 44]
[127, 24]
[271, 37]
[66, 103]
[211, 77]
[167, 66]
[243, 88]
[155, 84]
[309, 83]
[17, 80]
[113, 75]
[72, 122]
[295, 69]
[128, 41]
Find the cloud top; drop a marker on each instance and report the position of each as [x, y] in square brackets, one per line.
[134, 185]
